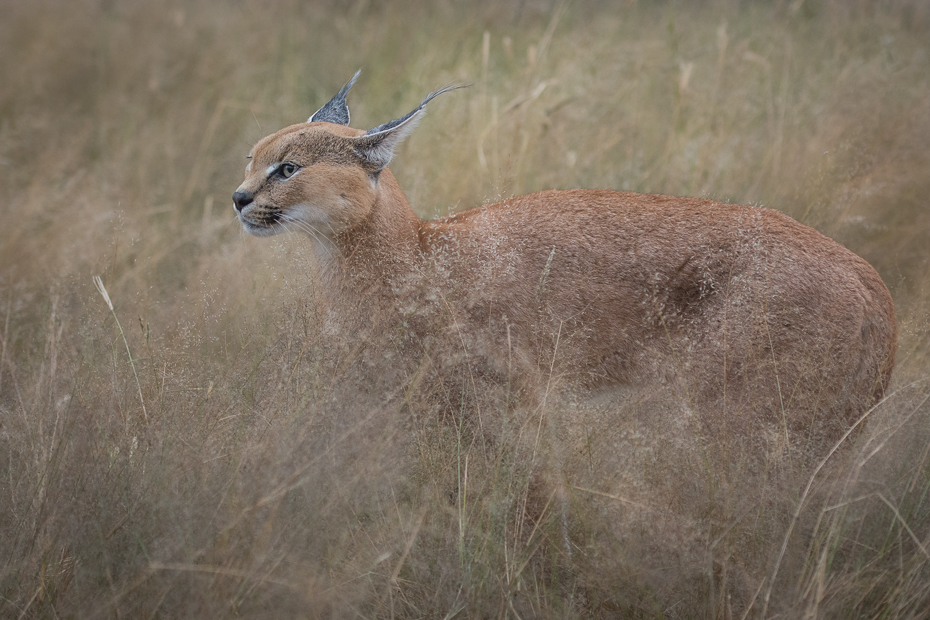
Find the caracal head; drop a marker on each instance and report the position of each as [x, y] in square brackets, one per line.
[319, 177]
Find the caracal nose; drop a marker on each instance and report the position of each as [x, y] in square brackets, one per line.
[241, 200]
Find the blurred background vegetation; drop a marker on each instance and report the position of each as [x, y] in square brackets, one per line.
[217, 475]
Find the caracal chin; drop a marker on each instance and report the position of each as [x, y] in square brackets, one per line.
[745, 316]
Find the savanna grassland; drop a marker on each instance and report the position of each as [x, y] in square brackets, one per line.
[186, 440]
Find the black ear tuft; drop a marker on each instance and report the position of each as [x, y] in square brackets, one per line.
[377, 146]
[336, 111]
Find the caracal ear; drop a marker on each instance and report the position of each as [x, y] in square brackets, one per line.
[335, 111]
[376, 147]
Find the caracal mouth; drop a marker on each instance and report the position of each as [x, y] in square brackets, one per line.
[261, 229]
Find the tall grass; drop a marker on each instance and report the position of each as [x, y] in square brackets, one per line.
[202, 448]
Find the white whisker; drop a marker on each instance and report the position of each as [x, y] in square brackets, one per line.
[309, 229]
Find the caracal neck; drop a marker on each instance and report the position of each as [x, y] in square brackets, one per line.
[389, 238]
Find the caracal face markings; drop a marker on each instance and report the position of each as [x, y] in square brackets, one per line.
[305, 178]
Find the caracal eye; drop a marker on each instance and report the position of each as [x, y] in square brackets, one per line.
[288, 170]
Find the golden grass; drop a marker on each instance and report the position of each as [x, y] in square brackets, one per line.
[241, 464]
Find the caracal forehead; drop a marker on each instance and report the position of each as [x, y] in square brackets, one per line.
[302, 139]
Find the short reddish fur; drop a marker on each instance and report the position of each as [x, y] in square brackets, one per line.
[748, 313]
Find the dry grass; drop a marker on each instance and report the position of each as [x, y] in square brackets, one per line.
[239, 463]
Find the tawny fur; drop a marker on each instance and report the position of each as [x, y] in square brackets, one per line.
[747, 315]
